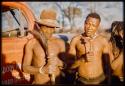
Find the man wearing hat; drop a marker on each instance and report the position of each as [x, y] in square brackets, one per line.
[45, 68]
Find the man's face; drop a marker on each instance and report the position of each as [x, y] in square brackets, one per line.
[91, 26]
[48, 31]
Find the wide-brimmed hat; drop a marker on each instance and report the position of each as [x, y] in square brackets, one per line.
[48, 18]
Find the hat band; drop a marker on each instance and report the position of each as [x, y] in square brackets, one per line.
[49, 21]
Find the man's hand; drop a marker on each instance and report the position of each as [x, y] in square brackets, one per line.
[50, 67]
[52, 61]
[44, 70]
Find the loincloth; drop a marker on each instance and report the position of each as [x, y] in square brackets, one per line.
[95, 80]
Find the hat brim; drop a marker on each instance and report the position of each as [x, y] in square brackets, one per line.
[48, 22]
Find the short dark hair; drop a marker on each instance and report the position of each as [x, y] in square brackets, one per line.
[94, 15]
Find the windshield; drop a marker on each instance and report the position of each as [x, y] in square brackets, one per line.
[13, 22]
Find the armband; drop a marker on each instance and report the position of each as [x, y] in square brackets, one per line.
[41, 70]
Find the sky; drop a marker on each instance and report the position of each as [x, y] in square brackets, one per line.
[109, 11]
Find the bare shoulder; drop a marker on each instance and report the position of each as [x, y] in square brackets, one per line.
[59, 40]
[31, 42]
[103, 39]
[76, 38]
[110, 44]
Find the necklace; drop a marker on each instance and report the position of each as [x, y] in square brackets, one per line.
[89, 40]
[91, 45]
[94, 36]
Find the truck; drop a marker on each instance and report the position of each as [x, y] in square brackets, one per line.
[14, 41]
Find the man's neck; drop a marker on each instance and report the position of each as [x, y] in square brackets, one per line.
[50, 38]
[92, 36]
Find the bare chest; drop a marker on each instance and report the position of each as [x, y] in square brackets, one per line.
[91, 46]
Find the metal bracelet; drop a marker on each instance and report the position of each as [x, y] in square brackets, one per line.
[41, 70]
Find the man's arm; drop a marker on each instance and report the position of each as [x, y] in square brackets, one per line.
[107, 58]
[71, 56]
[107, 50]
[72, 48]
[28, 59]
[62, 53]
[76, 64]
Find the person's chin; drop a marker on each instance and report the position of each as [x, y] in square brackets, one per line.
[88, 35]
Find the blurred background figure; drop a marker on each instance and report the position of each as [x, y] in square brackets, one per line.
[117, 50]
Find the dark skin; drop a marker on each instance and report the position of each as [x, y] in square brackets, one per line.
[117, 64]
[35, 58]
[90, 60]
